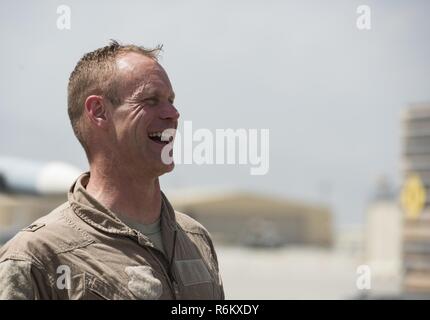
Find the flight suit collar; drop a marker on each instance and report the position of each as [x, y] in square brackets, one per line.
[101, 218]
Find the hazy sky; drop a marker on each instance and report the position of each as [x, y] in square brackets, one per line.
[330, 94]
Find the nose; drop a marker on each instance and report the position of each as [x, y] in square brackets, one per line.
[169, 112]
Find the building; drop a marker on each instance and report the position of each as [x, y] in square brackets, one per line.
[244, 218]
[383, 247]
[416, 229]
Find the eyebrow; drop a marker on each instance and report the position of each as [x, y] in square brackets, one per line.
[143, 92]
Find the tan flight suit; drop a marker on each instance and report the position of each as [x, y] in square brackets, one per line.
[81, 250]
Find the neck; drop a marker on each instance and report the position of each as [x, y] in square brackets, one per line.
[129, 194]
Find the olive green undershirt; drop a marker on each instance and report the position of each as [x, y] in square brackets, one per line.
[152, 231]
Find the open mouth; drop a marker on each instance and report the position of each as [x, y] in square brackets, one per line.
[160, 137]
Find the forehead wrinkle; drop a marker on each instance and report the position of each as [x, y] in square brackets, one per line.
[139, 90]
[147, 88]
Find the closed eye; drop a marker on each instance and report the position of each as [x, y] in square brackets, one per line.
[151, 101]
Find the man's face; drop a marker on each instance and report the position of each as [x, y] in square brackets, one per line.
[145, 112]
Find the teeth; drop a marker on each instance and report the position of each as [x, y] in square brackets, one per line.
[163, 136]
[155, 134]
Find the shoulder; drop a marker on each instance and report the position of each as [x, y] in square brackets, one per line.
[190, 225]
[195, 229]
[46, 237]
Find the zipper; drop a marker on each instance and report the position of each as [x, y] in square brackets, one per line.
[172, 283]
[174, 287]
[171, 273]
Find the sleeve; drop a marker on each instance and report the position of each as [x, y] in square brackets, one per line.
[16, 281]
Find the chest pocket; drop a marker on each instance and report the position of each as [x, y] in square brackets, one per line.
[196, 280]
[193, 272]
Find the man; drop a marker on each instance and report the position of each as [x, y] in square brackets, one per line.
[117, 236]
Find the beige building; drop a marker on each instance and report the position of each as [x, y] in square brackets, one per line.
[257, 220]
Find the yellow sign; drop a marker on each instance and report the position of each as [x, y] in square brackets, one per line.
[413, 197]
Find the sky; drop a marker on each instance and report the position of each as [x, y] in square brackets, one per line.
[330, 94]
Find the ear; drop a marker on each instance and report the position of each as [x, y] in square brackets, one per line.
[95, 109]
